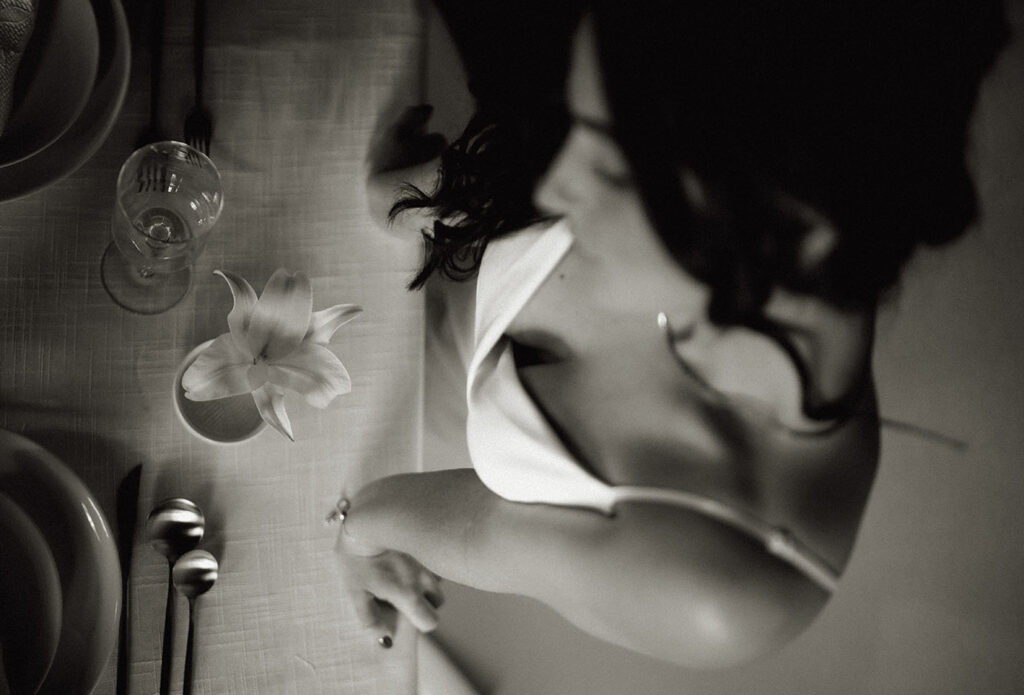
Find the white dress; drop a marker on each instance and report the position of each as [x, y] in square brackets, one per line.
[514, 449]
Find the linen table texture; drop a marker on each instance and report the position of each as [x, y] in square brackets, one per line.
[296, 90]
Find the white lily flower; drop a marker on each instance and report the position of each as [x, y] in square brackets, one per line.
[275, 343]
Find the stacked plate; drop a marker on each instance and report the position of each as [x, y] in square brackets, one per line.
[60, 577]
[68, 91]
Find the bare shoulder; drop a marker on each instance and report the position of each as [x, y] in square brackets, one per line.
[717, 599]
[632, 417]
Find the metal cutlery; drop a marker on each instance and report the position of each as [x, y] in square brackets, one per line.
[127, 516]
[174, 527]
[193, 575]
[198, 122]
[153, 133]
[154, 178]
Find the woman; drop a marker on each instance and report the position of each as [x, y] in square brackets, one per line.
[670, 411]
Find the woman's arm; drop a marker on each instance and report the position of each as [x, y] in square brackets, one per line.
[656, 579]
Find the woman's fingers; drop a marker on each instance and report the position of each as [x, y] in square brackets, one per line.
[417, 611]
[428, 146]
[413, 144]
[367, 610]
[413, 119]
[430, 584]
[381, 584]
[403, 582]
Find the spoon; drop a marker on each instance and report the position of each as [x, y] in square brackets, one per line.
[174, 527]
[193, 575]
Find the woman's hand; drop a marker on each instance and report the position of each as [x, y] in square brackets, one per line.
[378, 581]
[406, 142]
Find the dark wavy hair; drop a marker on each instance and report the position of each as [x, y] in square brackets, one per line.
[516, 56]
[485, 185]
[858, 110]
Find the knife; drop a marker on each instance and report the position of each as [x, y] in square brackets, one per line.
[127, 513]
[153, 132]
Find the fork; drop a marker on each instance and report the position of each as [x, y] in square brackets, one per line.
[153, 178]
[198, 123]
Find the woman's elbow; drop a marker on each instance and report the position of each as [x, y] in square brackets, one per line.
[730, 628]
[702, 617]
[715, 598]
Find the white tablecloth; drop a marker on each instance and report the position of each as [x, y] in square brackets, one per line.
[296, 90]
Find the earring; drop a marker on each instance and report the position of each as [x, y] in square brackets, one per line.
[672, 334]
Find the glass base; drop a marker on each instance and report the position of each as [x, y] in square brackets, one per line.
[142, 294]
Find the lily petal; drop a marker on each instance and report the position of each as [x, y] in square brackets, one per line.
[270, 402]
[325, 322]
[281, 316]
[312, 371]
[219, 371]
[241, 313]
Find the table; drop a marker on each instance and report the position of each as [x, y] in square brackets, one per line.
[297, 90]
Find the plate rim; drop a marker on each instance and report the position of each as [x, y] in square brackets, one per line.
[62, 157]
[104, 608]
[80, 104]
[23, 517]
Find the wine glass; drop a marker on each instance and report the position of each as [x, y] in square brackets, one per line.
[168, 199]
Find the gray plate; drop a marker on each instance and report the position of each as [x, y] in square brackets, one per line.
[90, 130]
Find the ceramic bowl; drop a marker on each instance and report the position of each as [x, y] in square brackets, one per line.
[55, 77]
[231, 420]
[84, 552]
[81, 140]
